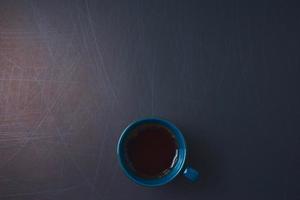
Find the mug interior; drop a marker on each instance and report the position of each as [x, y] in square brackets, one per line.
[173, 172]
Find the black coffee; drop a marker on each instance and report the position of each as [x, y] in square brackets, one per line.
[151, 150]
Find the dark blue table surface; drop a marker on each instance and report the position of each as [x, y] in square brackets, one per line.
[73, 74]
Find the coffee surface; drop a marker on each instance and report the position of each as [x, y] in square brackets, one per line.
[151, 150]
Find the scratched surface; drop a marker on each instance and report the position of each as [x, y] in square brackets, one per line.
[73, 74]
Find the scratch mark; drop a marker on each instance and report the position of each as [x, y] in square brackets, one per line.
[31, 132]
[103, 141]
[83, 35]
[85, 45]
[37, 126]
[99, 52]
[10, 61]
[50, 51]
[78, 168]
[62, 137]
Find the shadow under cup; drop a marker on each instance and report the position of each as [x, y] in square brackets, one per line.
[154, 143]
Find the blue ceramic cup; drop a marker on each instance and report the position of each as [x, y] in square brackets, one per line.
[179, 167]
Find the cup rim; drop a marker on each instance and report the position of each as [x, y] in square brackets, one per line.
[160, 181]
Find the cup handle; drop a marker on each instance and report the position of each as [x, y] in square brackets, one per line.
[191, 174]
